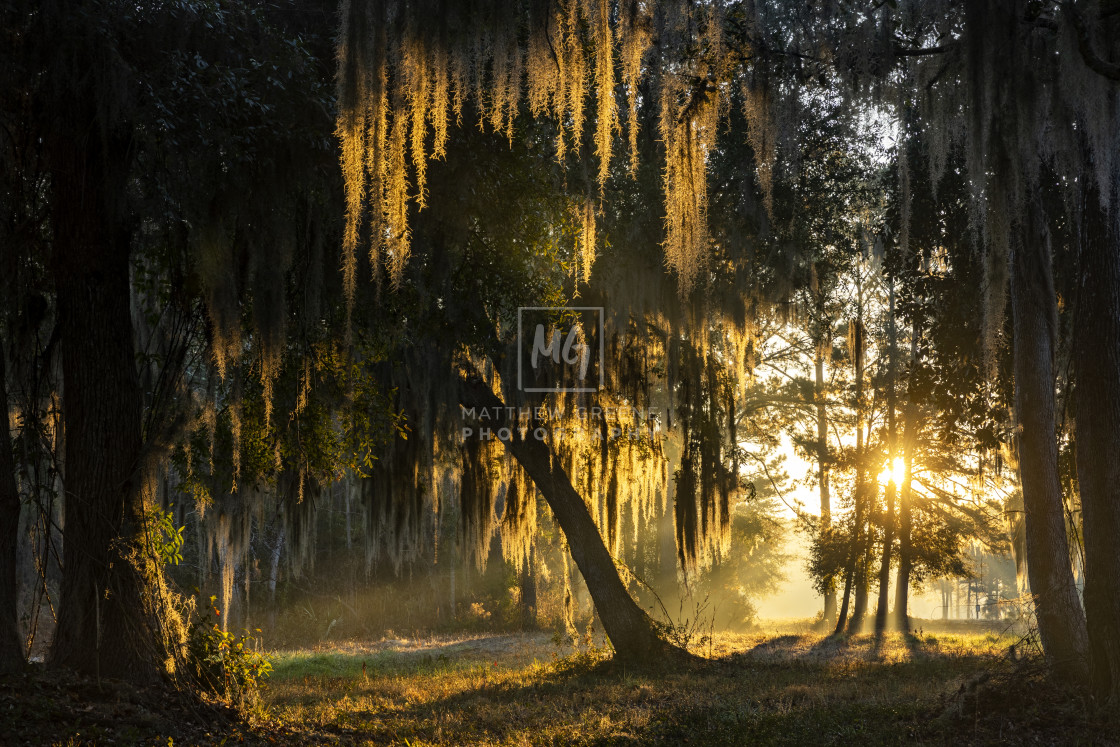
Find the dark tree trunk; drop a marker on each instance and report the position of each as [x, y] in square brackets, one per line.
[1097, 415]
[892, 489]
[1061, 622]
[102, 626]
[859, 580]
[845, 597]
[822, 467]
[851, 566]
[862, 497]
[905, 554]
[528, 584]
[905, 518]
[630, 629]
[881, 608]
[11, 648]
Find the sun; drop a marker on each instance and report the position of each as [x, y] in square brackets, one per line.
[893, 472]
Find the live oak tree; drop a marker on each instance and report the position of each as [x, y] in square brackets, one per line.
[107, 90]
[112, 92]
[972, 74]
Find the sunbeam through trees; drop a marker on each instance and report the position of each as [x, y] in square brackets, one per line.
[588, 352]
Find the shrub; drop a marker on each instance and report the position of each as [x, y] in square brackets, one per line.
[224, 663]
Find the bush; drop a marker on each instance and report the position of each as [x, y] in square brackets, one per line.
[224, 663]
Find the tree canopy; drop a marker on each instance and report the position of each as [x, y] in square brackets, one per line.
[879, 243]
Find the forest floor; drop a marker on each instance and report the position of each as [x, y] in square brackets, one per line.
[525, 689]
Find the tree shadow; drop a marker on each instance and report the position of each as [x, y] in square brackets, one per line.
[786, 689]
[780, 644]
[832, 642]
[491, 708]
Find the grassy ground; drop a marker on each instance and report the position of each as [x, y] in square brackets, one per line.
[775, 687]
[765, 688]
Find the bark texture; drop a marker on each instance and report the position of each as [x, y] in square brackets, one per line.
[1061, 621]
[102, 629]
[1097, 415]
[11, 648]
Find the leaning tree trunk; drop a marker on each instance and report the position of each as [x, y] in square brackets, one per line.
[1061, 622]
[102, 627]
[1097, 414]
[11, 648]
[630, 629]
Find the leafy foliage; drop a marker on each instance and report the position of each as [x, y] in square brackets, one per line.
[164, 539]
[225, 663]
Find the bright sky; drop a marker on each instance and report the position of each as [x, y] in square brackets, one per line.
[797, 598]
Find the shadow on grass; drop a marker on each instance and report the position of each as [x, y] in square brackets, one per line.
[815, 695]
[780, 644]
[725, 702]
[792, 689]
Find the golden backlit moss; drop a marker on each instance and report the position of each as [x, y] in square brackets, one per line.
[551, 56]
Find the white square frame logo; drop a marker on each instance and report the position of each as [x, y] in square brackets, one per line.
[521, 340]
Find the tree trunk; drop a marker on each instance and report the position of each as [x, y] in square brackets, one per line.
[862, 501]
[528, 584]
[11, 648]
[1097, 415]
[274, 562]
[881, 608]
[849, 572]
[1061, 622]
[856, 555]
[859, 580]
[892, 449]
[851, 568]
[102, 628]
[630, 629]
[905, 559]
[822, 468]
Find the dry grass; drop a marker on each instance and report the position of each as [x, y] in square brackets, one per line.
[780, 686]
[795, 688]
